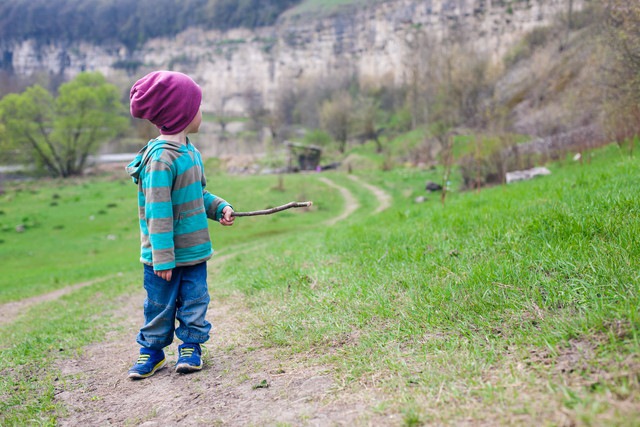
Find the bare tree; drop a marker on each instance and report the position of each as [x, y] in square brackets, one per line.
[569, 25]
[256, 110]
[222, 116]
[447, 163]
[281, 115]
[622, 37]
[419, 56]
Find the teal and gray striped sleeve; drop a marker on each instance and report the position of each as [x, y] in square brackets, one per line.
[212, 203]
[156, 187]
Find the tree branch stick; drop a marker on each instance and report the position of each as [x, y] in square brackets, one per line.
[274, 210]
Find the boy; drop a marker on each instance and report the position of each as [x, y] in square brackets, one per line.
[173, 208]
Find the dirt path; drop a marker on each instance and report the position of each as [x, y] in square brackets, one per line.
[228, 391]
[350, 202]
[11, 310]
[243, 383]
[384, 199]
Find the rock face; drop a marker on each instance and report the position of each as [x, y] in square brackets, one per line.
[372, 43]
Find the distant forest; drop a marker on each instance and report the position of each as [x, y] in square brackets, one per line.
[130, 22]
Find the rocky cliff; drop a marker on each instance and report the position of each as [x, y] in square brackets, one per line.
[372, 42]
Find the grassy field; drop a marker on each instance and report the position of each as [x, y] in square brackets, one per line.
[324, 7]
[515, 305]
[78, 230]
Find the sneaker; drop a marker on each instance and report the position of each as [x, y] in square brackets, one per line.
[148, 363]
[189, 358]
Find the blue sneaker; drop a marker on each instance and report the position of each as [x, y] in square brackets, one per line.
[189, 358]
[148, 363]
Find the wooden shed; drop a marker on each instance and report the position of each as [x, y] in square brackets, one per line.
[303, 157]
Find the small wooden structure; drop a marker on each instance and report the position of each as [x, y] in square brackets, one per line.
[306, 157]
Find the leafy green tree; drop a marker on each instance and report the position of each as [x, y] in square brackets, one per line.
[317, 137]
[367, 117]
[335, 117]
[60, 134]
[248, 13]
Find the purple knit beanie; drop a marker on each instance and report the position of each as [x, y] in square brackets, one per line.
[168, 99]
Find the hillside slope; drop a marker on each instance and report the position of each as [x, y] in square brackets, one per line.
[371, 43]
[553, 86]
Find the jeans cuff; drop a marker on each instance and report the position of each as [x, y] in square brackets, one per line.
[153, 344]
[193, 338]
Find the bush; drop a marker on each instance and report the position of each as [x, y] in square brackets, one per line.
[317, 137]
[488, 162]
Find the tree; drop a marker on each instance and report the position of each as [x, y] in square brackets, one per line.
[367, 117]
[622, 38]
[335, 117]
[60, 134]
[222, 117]
[138, 21]
[280, 117]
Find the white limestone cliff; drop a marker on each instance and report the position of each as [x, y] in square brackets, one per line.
[371, 43]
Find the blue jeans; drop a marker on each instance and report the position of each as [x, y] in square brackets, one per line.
[185, 298]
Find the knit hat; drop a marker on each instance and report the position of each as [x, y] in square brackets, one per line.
[168, 99]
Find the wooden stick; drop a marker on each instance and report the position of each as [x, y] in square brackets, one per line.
[274, 210]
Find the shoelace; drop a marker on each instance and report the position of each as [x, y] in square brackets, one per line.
[142, 359]
[186, 352]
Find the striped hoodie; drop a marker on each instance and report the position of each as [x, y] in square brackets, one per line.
[173, 205]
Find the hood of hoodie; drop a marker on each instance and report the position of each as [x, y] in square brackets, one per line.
[142, 158]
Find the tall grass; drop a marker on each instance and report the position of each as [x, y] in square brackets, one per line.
[425, 296]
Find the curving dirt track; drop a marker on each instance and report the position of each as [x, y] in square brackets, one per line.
[350, 202]
[384, 199]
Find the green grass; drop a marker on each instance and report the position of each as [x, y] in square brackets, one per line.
[73, 231]
[65, 240]
[324, 6]
[515, 305]
[78, 230]
[212, 118]
[426, 296]
[45, 333]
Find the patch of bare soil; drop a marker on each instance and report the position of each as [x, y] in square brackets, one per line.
[242, 383]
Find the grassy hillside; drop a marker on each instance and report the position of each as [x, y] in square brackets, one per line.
[515, 305]
[521, 299]
[324, 8]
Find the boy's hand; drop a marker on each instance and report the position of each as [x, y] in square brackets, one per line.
[165, 274]
[227, 219]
